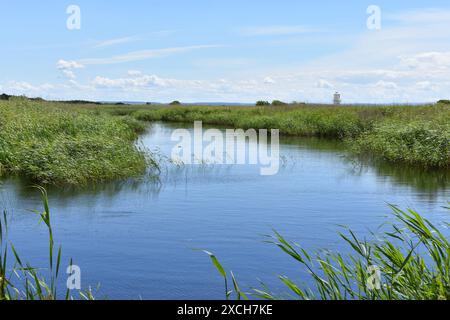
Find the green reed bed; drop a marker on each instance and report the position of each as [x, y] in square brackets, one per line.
[325, 122]
[424, 142]
[50, 144]
[418, 135]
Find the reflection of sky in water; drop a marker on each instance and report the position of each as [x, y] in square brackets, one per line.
[136, 237]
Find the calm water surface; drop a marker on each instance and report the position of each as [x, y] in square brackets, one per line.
[137, 238]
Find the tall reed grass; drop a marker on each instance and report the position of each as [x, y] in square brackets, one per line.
[53, 145]
[418, 135]
[413, 260]
[21, 280]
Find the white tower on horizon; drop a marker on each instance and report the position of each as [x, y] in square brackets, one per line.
[337, 98]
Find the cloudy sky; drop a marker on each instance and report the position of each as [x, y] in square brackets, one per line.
[226, 51]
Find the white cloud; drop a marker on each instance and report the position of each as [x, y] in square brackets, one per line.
[65, 65]
[324, 84]
[274, 30]
[222, 63]
[143, 55]
[69, 74]
[386, 85]
[427, 60]
[426, 85]
[420, 16]
[134, 38]
[142, 81]
[269, 80]
[134, 73]
[408, 60]
[144, 86]
[26, 88]
[117, 41]
[22, 86]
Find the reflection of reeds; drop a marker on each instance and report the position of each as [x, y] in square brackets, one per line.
[413, 260]
[407, 134]
[431, 182]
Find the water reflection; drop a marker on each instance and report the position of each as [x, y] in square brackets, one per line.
[136, 237]
[429, 184]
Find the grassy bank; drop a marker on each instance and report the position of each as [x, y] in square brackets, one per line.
[49, 143]
[407, 134]
[59, 143]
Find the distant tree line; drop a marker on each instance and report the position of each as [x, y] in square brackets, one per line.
[278, 103]
[260, 103]
[274, 103]
[4, 96]
[81, 102]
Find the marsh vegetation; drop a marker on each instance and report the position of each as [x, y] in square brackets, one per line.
[51, 144]
[78, 143]
[81, 143]
[418, 135]
[410, 261]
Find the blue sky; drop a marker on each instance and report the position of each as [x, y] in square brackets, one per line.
[232, 51]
